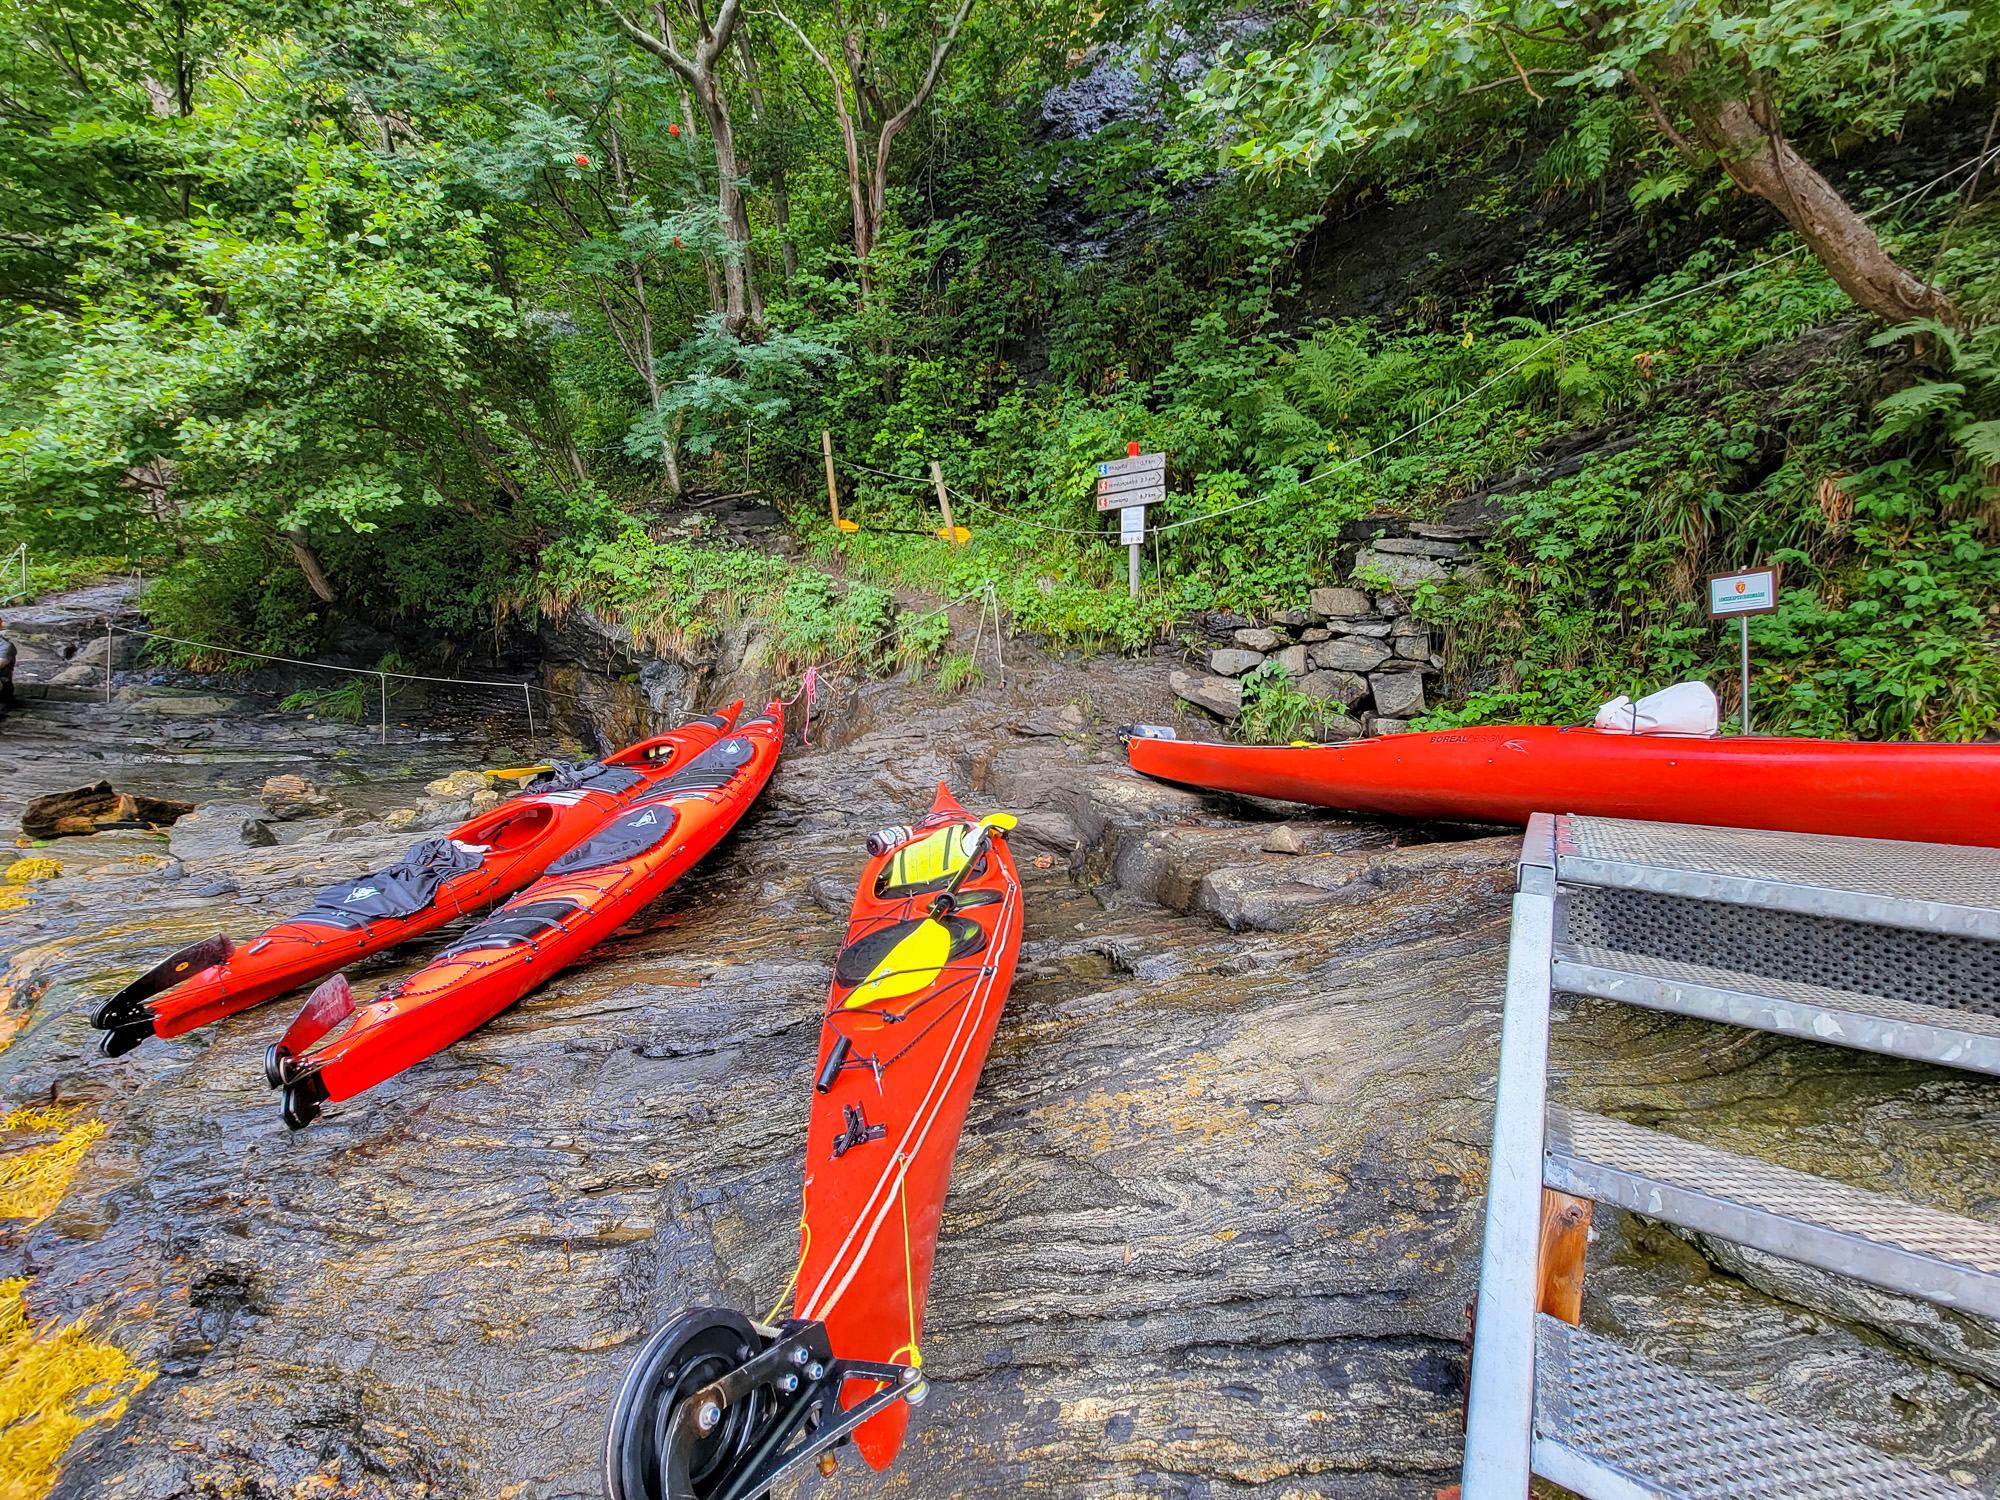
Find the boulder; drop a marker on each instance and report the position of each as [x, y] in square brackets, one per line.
[401, 817]
[1374, 629]
[1344, 688]
[1338, 601]
[1398, 695]
[1348, 653]
[458, 785]
[1234, 663]
[288, 797]
[1293, 660]
[1338, 727]
[1317, 633]
[220, 830]
[1379, 725]
[1292, 619]
[85, 810]
[1282, 840]
[1219, 695]
[1391, 606]
[441, 812]
[76, 674]
[1257, 640]
[191, 705]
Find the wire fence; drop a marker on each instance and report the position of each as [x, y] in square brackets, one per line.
[987, 596]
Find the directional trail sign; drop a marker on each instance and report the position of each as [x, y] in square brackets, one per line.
[1139, 480]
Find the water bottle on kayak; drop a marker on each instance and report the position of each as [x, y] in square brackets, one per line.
[882, 840]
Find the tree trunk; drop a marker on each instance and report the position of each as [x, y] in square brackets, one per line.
[1743, 134]
[707, 260]
[741, 302]
[309, 565]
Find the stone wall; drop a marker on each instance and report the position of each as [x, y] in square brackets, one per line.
[1357, 647]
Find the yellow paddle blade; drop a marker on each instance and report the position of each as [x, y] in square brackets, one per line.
[906, 968]
[518, 773]
[848, 525]
[956, 534]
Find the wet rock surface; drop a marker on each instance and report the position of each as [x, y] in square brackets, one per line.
[1214, 1222]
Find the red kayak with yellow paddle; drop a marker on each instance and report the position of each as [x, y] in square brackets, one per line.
[716, 1407]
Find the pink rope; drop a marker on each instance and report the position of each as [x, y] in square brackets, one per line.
[808, 690]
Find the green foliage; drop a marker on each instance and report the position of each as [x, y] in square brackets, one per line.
[351, 701]
[239, 593]
[958, 672]
[1274, 713]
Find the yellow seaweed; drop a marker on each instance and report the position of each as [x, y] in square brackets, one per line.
[54, 1383]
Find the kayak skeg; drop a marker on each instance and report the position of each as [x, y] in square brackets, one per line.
[1946, 794]
[443, 878]
[718, 1408]
[631, 858]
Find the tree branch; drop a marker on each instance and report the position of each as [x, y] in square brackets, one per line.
[663, 50]
[1521, 71]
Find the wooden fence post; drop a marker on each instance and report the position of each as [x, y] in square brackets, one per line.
[832, 489]
[944, 502]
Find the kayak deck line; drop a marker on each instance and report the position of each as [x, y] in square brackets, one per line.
[1880, 945]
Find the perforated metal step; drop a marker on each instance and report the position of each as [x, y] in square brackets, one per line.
[1612, 1425]
[1887, 1242]
[1869, 1023]
[1938, 888]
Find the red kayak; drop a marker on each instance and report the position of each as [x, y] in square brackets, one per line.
[655, 838]
[1945, 794]
[439, 880]
[717, 1408]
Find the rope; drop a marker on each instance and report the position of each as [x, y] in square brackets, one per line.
[805, 1245]
[909, 1281]
[808, 690]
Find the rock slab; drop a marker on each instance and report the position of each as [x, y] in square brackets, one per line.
[1219, 695]
[1234, 663]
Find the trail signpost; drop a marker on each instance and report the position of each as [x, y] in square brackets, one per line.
[1743, 595]
[1128, 485]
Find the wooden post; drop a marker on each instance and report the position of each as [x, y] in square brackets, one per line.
[1565, 1238]
[832, 489]
[944, 501]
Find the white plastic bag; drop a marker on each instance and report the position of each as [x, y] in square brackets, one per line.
[1684, 708]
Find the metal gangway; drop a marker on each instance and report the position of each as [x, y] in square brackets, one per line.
[1873, 944]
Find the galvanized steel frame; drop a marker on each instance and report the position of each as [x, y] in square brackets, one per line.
[1500, 1411]
[1843, 1025]
[1894, 1267]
